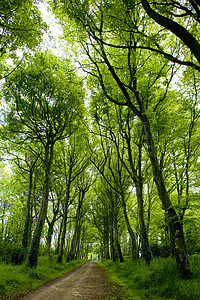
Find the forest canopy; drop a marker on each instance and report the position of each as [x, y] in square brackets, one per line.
[100, 145]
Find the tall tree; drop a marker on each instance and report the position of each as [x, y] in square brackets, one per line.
[112, 37]
[44, 97]
[75, 161]
[83, 184]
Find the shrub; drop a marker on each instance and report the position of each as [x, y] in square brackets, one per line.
[17, 280]
[160, 250]
[158, 280]
[11, 253]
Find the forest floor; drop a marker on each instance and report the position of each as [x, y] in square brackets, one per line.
[89, 281]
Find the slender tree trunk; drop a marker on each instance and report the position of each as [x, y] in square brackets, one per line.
[112, 241]
[27, 225]
[34, 198]
[34, 249]
[65, 213]
[130, 231]
[175, 226]
[49, 235]
[72, 252]
[146, 252]
[2, 221]
[28, 221]
[59, 236]
[138, 182]
[77, 247]
[117, 243]
[64, 225]
[106, 238]
[149, 207]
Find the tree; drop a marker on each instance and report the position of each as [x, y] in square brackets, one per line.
[21, 29]
[26, 160]
[75, 161]
[112, 37]
[57, 195]
[44, 98]
[114, 125]
[83, 185]
[28, 222]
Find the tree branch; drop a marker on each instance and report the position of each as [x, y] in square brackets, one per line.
[185, 36]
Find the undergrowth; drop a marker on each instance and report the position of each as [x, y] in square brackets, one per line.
[17, 280]
[160, 280]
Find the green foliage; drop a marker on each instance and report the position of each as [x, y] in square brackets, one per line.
[45, 101]
[11, 253]
[43, 98]
[22, 24]
[21, 28]
[16, 281]
[160, 280]
[161, 250]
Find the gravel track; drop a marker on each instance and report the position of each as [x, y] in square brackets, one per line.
[88, 281]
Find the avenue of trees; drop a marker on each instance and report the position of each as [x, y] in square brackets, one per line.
[101, 153]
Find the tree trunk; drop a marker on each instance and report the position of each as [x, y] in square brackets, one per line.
[106, 239]
[117, 243]
[28, 221]
[49, 236]
[65, 213]
[3, 211]
[27, 225]
[34, 249]
[130, 231]
[136, 175]
[63, 233]
[146, 252]
[72, 252]
[77, 247]
[175, 226]
[59, 236]
[112, 241]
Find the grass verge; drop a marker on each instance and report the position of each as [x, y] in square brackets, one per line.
[16, 281]
[160, 280]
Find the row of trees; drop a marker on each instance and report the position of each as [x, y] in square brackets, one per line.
[104, 174]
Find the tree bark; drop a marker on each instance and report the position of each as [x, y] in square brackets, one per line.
[113, 256]
[130, 231]
[28, 221]
[138, 182]
[175, 226]
[117, 243]
[64, 225]
[59, 236]
[106, 238]
[27, 225]
[145, 249]
[65, 213]
[49, 235]
[72, 252]
[34, 249]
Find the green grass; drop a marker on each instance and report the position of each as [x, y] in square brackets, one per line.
[160, 280]
[16, 281]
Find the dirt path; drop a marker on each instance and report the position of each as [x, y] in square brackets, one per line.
[86, 282]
